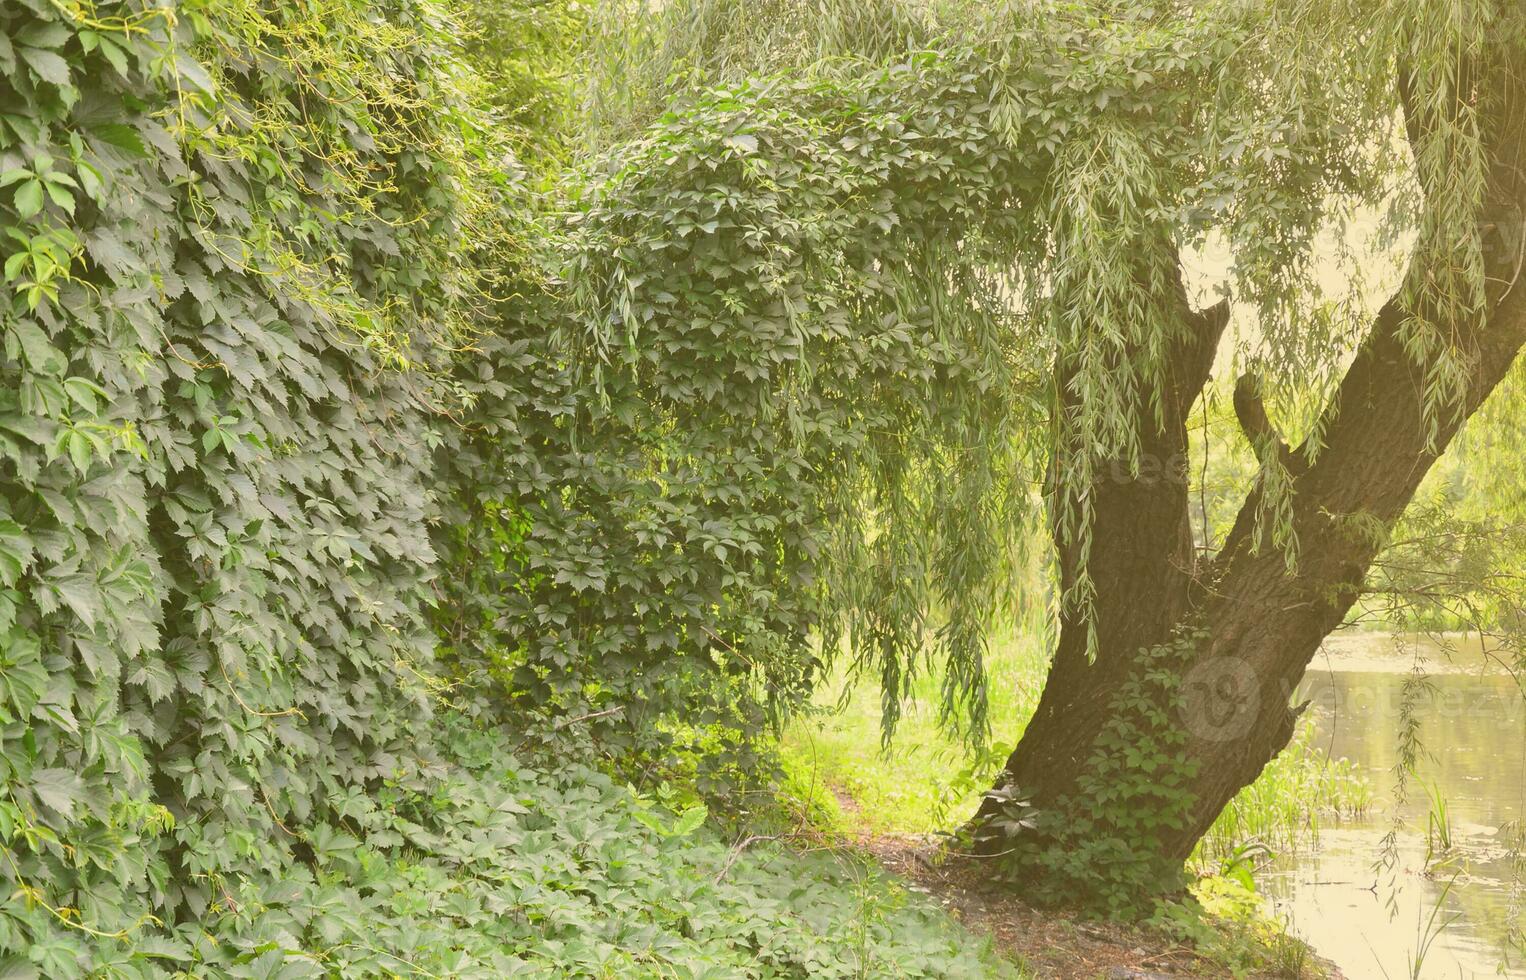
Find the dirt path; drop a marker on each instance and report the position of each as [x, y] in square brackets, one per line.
[1052, 944]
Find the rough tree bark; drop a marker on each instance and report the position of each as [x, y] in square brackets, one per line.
[1255, 625]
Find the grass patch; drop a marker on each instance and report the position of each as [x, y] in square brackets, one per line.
[925, 781]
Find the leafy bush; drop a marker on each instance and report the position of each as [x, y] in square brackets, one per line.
[501, 870]
[687, 439]
[789, 287]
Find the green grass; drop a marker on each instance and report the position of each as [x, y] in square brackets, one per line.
[926, 781]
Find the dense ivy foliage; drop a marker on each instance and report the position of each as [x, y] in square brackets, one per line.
[226, 230]
[782, 284]
[1135, 782]
[273, 354]
[654, 511]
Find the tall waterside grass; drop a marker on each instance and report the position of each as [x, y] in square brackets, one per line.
[1285, 807]
[1438, 823]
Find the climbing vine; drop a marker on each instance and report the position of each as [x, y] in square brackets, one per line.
[1134, 783]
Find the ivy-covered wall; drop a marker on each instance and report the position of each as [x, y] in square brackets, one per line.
[235, 243]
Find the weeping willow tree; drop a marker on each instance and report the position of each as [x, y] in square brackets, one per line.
[1171, 681]
[907, 302]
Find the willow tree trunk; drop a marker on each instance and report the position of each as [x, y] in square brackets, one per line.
[1182, 695]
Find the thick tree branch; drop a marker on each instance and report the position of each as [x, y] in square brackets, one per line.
[1376, 440]
[1250, 412]
[1193, 354]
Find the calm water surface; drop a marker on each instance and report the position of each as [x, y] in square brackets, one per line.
[1473, 731]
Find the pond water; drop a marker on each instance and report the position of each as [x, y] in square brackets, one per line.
[1458, 909]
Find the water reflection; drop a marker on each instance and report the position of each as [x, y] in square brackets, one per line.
[1471, 722]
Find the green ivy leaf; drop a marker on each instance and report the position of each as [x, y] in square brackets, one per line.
[28, 198]
[40, 353]
[80, 594]
[85, 393]
[48, 66]
[745, 142]
[45, 34]
[16, 968]
[60, 194]
[58, 790]
[690, 820]
[15, 552]
[121, 136]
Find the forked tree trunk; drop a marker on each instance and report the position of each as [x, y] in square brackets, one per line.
[1235, 633]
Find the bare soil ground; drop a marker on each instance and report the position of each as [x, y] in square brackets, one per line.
[1052, 944]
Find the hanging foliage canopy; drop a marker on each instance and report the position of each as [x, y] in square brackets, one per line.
[853, 290]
